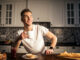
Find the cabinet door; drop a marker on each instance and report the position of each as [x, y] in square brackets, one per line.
[78, 13]
[9, 15]
[1, 13]
[72, 11]
[60, 49]
[19, 6]
[4, 48]
[6, 14]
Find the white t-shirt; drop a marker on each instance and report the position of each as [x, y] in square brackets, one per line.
[36, 43]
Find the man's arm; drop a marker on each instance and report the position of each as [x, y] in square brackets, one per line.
[53, 39]
[17, 44]
[19, 39]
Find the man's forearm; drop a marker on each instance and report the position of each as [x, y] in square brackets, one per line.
[54, 42]
[18, 44]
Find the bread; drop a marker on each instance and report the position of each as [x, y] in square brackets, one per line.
[66, 54]
[4, 56]
[29, 55]
[1, 55]
[32, 56]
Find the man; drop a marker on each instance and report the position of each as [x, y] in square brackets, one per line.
[32, 35]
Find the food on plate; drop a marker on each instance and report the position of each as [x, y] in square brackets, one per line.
[66, 54]
[28, 55]
[3, 56]
[32, 56]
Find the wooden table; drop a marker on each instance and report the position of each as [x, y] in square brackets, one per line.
[40, 57]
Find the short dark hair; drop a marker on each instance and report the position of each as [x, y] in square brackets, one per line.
[25, 10]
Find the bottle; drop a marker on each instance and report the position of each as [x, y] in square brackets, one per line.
[13, 52]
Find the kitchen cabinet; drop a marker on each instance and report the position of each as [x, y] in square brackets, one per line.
[40, 10]
[61, 13]
[75, 49]
[21, 50]
[6, 14]
[19, 6]
[57, 49]
[4, 48]
[61, 49]
[10, 12]
[72, 13]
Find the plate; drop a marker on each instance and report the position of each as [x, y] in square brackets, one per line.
[25, 57]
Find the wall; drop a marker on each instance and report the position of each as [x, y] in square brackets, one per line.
[65, 35]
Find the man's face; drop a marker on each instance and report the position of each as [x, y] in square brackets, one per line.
[27, 18]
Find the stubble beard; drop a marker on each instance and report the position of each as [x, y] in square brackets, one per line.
[27, 25]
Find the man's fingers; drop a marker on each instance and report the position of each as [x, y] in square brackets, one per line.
[23, 35]
[49, 52]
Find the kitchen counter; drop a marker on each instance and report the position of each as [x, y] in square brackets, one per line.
[40, 57]
[3, 43]
[46, 44]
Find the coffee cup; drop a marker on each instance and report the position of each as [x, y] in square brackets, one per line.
[30, 34]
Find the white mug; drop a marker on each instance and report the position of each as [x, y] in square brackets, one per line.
[30, 34]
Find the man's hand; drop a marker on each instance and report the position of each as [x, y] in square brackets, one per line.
[49, 51]
[24, 35]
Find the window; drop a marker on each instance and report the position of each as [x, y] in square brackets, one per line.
[70, 13]
[8, 13]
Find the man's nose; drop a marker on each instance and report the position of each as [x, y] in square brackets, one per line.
[28, 18]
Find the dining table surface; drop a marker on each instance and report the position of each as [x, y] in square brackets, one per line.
[39, 57]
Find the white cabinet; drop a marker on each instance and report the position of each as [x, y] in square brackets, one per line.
[61, 49]
[10, 12]
[74, 49]
[5, 48]
[21, 50]
[6, 14]
[19, 6]
[39, 9]
[72, 13]
[61, 13]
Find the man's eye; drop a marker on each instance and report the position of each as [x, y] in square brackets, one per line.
[25, 16]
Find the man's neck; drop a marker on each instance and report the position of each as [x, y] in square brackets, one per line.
[28, 28]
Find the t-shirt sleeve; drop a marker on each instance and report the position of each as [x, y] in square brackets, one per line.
[44, 30]
[17, 34]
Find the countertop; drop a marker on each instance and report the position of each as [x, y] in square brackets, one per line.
[46, 44]
[40, 57]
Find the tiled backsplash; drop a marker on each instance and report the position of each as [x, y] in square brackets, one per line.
[8, 33]
[67, 34]
[64, 34]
